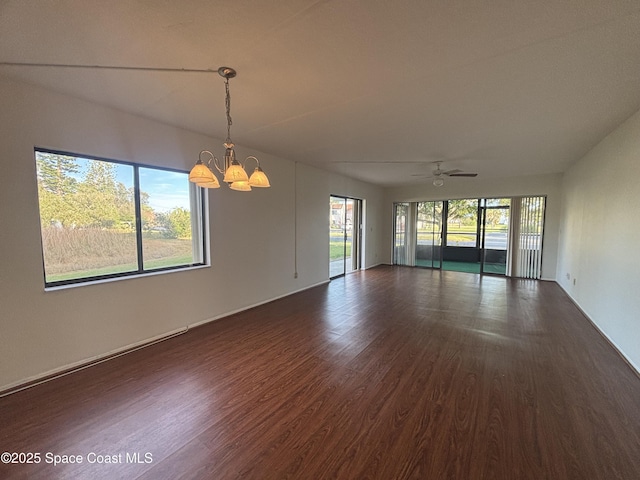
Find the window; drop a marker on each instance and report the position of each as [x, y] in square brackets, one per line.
[104, 219]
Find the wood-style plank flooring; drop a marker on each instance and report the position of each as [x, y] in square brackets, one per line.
[391, 373]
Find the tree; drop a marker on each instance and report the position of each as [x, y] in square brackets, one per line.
[430, 212]
[180, 220]
[57, 185]
[126, 207]
[462, 211]
[56, 173]
[95, 208]
[102, 177]
[97, 196]
[173, 224]
[494, 215]
[149, 216]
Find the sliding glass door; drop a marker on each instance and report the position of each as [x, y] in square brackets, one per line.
[494, 213]
[400, 234]
[497, 236]
[461, 233]
[344, 235]
[429, 234]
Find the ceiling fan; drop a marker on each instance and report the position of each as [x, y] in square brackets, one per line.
[438, 174]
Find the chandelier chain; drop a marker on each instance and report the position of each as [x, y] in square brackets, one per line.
[228, 105]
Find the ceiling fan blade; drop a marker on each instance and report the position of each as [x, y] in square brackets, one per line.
[463, 174]
[451, 172]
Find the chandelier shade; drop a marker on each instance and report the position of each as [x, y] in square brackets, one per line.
[235, 173]
[200, 173]
[209, 184]
[240, 186]
[258, 178]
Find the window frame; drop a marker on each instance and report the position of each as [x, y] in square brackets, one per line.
[202, 202]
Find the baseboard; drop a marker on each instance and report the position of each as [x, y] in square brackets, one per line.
[374, 266]
[635, 368]
[86, 363]
[249, 307]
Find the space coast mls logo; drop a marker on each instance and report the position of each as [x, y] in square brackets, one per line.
[66, 459]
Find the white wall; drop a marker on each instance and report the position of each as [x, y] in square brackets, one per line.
[600, 237]
[479, 187]
[42, 332]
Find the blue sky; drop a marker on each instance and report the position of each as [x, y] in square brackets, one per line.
[167, 190]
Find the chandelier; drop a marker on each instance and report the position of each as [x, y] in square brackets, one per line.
[234, 173]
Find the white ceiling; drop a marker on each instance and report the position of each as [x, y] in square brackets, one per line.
[498, 87]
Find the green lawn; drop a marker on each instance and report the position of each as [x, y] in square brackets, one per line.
[337, 250]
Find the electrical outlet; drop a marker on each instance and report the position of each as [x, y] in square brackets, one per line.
[574, 281]
[568, 276]
[295, 275]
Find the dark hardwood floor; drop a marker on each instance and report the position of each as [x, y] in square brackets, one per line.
[391, 373]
